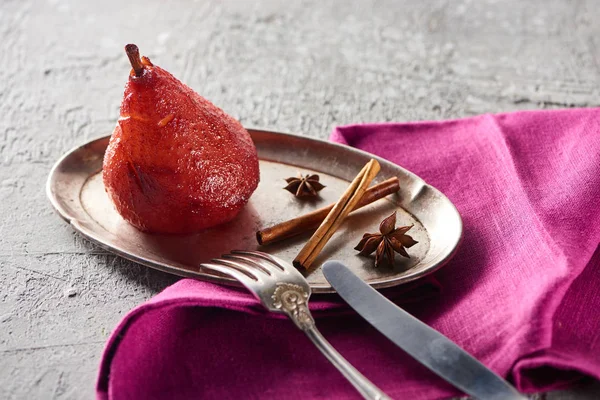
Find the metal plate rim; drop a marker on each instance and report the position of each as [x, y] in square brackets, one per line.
[316, 288]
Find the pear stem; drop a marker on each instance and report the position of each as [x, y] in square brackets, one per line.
[134, 58]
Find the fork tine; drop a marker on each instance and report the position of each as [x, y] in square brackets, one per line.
[245, 278]
[243, 268]
[261, 255]
[249, 261]
[254, 262]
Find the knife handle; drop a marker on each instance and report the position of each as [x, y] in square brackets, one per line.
[367, 389]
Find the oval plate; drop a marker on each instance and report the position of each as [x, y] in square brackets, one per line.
[76, 191]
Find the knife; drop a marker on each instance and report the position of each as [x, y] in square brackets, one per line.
[425, 344]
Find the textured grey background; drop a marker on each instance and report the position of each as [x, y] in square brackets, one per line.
[301, 67]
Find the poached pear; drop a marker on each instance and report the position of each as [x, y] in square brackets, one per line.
[175, 162]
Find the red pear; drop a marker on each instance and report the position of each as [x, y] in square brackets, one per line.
[175, 162]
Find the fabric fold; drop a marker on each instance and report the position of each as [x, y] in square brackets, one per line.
[521, 294]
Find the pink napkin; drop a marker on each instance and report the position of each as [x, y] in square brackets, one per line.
[522, 294]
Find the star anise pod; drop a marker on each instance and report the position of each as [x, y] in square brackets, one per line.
[389, 240]
[304, 186]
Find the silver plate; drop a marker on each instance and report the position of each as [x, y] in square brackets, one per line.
[76, 191]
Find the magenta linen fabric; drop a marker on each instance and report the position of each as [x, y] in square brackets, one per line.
[522, 293]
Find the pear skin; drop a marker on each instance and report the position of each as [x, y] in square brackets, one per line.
[176, 163]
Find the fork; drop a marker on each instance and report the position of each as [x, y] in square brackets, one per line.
[282, 289]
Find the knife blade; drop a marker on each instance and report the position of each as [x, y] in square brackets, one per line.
[425, 344]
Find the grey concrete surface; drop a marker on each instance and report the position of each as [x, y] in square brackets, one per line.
[301, 67]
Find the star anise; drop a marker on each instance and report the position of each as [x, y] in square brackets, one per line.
[304, 186]
[389, 240]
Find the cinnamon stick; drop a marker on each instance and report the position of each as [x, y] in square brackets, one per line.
[312, 220]
[336, 216]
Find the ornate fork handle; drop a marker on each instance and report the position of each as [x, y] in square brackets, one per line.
[293, 301]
